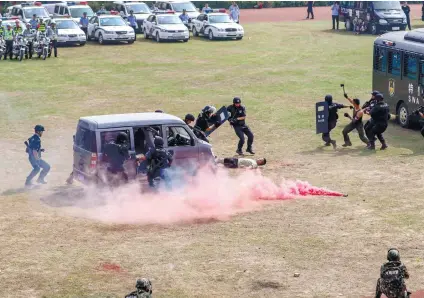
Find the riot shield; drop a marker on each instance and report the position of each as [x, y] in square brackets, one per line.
[321, 112]
[221, 116]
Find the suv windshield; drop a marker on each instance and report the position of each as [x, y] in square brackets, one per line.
[68, 24]
[138, 8]
[39, 11]
[220, 19]
[169, 20]
[112, 22]
[386, 5]
[188, 6]
[77, 12]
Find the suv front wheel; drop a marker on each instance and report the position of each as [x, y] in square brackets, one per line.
[403, 116]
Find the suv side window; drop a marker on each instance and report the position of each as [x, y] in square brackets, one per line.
[109, 136]
[394, 63]
[86, 139]
[380, 59]
[66, 11]
[56, 9]
[410, 67]
[177, 136]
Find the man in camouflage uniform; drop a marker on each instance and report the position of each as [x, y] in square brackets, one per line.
[144, 289]
[391, 282]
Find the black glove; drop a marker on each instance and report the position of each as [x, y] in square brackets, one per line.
[417, 112]
[232, 121]
[351, 107]
[345, 95]
[217, 124]
[346, 115]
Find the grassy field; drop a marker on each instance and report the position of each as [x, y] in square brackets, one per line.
[279, 70]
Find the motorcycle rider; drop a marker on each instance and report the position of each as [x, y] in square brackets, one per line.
[41, 26]
[18, 29]
[8, 37]
[52, 34]
[29, 36]
[1, 27]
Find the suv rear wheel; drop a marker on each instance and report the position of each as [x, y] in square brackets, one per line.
[402, 115]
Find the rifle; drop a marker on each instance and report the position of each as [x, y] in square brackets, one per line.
[420, 109]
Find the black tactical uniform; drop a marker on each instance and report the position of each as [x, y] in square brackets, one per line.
[203, 123]
[116, 154]
[392, 277]
[158, 159]
[332, 120]
[236, 110]
[377, 125]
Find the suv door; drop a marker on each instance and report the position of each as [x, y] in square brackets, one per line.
[179, 140]
[84, 147]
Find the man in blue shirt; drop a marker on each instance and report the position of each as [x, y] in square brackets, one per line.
[133, 22]
[234, 12]
[310, 9]
[34, 22]
[34, 155]
[184, 18]
[335, 14]
[84, 23]
[207, 9]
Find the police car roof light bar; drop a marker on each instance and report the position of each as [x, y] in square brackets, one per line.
[219, 10]
[83, 3]
[37, 3]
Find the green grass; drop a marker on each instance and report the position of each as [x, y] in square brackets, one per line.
[279, 71]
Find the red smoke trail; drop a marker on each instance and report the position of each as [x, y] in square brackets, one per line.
[205, 196]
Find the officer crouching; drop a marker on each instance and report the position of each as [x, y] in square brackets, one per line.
[238, 122]
[34, 155]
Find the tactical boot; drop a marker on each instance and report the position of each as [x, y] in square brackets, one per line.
[371, 146]
[383, 146]
[28, 183]
[334, 144]
[347, 144]
[327, 144]
[239, 152]
[250, 151]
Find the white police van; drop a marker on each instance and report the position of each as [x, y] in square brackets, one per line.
[165, 26]
[217, 25]
[106, 28]
[73, 9]
[25, 12]
[94, 132]
[140, 10]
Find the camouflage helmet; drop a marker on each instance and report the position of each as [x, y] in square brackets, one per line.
[393, 255]
[144, 284]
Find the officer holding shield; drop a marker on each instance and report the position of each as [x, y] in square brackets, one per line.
[332, 119]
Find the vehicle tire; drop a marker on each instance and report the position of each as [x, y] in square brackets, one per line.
[146, 35]
[402, 116]
[185, 40]
[348, 25]
[210, 35]
[101, 41]
[89, 37]
[21, 56]
[239, 38]
[373, 29]
[157, 37]
[194, 30]
[130, 41]
[45, 54]
[82, 44]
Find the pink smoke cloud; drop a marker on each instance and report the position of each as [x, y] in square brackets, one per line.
[206, 196]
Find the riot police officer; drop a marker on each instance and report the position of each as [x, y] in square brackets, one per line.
[377, 125]
[116, 153]
[188, 119]
[332, 119]
[238, 122]
[52, 34]
[159, 160]
[34, 155]
[29, 35]
[8, 37]
[143, 289]
[202, 124]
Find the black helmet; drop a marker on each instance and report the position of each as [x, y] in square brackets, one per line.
[375, 92]
[189, 117]
[393, 255]
[39, 127]
[236, 100]
[329, 99]
[209, 110]
[121, 138]
[379, 96]
[158, 142]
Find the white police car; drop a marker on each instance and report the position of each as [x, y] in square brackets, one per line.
[217, 25]
[140, 10]
[25, 11]
[106, 28]
[69, 32]
[165, 26]
[74, 10]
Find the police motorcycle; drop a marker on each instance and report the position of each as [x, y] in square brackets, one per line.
[31, 39]
[41, 46]
[19, 47]
[2, 46]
